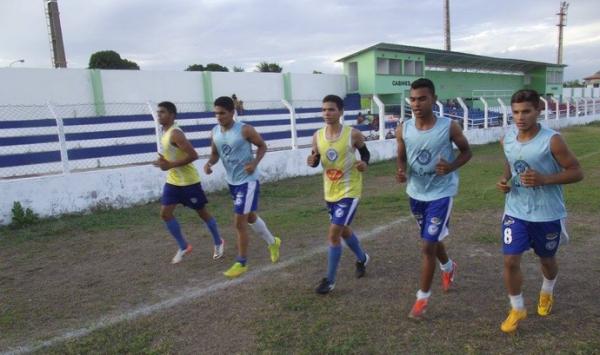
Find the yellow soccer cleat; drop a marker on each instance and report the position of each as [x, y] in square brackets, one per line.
[274, 250]
[545, 304]
[236, 270]
[512, 321]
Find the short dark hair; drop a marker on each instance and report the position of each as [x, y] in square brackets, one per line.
[336, 100]
[526, 95]
[225, 102]
[423, 83]
[169, 106]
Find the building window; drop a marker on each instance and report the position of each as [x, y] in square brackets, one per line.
[353, 76]
[395, 67]
[554, 77]
[383, 66]
[413, 68]
[419, 68]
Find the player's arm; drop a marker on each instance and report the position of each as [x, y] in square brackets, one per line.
[456, 135]
[178, 139]
[565, 158]
[401, 155]
[314, 158]
[358, 142]
[212, 159]
[252, 136]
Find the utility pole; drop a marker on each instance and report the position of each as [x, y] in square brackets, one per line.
[562, 22]
[57, 47]
[447, 24]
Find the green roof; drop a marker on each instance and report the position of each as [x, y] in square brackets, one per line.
[450, 59]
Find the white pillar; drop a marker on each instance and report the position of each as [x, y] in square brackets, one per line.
[157, 129]
[64, 157]
[546, 108]
[557, 106]
[441, 107]
[568, 109]
[381, 107]
[465, 113]
[408, 102]
[504, 113]
[293, 130]
[485, 112]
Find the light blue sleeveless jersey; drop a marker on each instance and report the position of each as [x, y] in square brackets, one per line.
[423, 151]
[534, 204]
[235, 152]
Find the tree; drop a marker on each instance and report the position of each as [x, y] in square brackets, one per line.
[573, 84]
[265, 67]
[317, 72]
[238, 69]
[195, 67]
[208, 67]
[110, 60]
[215, 67]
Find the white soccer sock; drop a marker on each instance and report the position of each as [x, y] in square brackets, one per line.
[447, 267]
[548, 285]
[261, 229]
[421, 295]
[517, 301]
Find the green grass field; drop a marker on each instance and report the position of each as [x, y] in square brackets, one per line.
[66, 273]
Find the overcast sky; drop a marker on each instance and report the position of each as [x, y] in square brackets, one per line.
[301, 35]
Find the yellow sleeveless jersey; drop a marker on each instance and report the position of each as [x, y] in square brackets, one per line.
[181, 176]
[341, 179]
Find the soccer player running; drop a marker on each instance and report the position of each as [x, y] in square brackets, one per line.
[183, 182]
[232, 143]
[334, 146]
[426, 160]
[537, 163]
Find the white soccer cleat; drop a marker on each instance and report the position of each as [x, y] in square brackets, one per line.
[180, 253]
[219, 250]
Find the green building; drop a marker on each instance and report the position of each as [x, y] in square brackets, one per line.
[388, 69]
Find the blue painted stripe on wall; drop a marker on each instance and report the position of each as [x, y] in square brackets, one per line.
[48, 138]
[29, 158]
[44, 122]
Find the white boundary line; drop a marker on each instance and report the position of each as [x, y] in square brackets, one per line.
[183, 296]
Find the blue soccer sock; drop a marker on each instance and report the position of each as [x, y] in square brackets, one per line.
[333, 259]
[241, 260]
[175, 230]
[214, 231]
[354, 245]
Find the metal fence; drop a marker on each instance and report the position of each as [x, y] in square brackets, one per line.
[53, 139]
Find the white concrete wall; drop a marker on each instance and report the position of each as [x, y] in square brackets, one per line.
[156, 86]
[308, 88]
[256, 90]
[22, 86]
[122, 187]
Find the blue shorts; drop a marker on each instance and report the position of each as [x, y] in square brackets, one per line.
[433, 217]
[245, 197]
[342, 212]
[191, 196]
[519, 235]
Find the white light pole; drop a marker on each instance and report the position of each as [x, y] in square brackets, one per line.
[15, 62]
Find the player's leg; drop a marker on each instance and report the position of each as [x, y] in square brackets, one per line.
[257, 224]
[515, 240]
[362, 258]
[196, 199]
[334, 254]
[349, 207]
[240, 222]
[169, 200]
[546, 239]
[437, 228]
